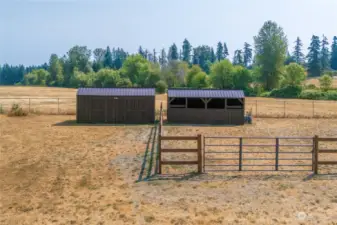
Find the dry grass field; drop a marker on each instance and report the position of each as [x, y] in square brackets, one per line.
[315, 81]
[53, 171]
[47, 100]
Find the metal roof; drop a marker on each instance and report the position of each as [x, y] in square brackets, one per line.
[205, 93]
[116, 91]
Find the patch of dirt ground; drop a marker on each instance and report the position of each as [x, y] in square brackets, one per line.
[53, 171]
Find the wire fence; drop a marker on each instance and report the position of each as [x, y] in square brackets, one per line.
[263, 108]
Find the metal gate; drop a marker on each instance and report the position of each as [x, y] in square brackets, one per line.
[258, 154]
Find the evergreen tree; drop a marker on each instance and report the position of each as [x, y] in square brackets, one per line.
[333, 60]
[289, 59]
[238, 59]
[213, 57]
[108, 58]
[298, 55]
[146, 54]
[325, 55]
[225, 51]
[173, 53]
[141, 51]
[155, 59]
[219, 52]
[247, 54]
[163, 58]
[187, 48]
[314, 64]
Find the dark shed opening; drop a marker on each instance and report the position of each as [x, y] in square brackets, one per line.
[116, 105]
[205, 106]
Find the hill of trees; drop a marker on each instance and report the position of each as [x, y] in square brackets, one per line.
[265, 67]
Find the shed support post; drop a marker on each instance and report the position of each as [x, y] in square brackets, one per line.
[199, 153]
[315, 154]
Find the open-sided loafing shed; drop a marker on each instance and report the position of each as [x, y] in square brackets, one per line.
[116, 105]
[205, 106]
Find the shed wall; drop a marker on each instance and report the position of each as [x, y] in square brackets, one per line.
[115, 109]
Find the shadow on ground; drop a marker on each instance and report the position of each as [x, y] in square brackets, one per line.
[67, 123]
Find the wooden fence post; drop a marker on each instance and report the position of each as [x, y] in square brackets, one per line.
[204, 154]
[199, 153]
[159, 153]
[277, 153]
[256, 107]
[315, 158]
[240, 155]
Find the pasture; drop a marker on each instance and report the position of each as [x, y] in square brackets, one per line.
[49, 100]
[55, 171]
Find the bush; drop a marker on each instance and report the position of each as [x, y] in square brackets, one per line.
[161, 87]
[17, 110]
[330, 95]
[325, 82]
[265, 94]
[312, 94]
[310, 86]
[286, 92]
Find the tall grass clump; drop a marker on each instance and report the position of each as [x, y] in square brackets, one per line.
[16, 110]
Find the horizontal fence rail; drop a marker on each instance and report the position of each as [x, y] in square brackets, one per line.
[318, 151]
[277, 159]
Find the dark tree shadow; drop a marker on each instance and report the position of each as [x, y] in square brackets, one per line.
[141, 173]
[69, 123]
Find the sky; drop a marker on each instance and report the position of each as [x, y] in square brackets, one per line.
[31, 30]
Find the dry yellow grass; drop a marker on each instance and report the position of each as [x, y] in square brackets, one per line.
[55, 172]
[45, 100]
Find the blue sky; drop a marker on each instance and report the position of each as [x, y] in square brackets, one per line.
[33, 29]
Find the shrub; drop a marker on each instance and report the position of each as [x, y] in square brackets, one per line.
[325, 82]
[161, 87]
[265, 94]
[286, 92]
[1, 110]
[330, 95]
[312, 94]
[17, 110]
[310, 86]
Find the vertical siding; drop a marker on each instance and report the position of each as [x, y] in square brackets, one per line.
[109, 109]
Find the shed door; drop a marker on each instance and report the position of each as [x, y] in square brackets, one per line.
[98, 105]
[115, 110]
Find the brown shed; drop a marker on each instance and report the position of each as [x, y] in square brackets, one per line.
[116, 105]
[205, 106]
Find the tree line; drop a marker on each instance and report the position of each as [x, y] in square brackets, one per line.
[263, 66]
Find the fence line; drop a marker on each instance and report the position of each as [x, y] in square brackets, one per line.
[262, 108]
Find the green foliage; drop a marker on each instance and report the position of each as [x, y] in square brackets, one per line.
[219, 52]
[310, 87]
[330, 95]
[222, 74]
[271, 51]
[37, 77]
[298, 55]
[16, 110]
[107, 61]
[314, 64]
[294, 75]
[247, 54]
[173, 53]
[136, 68]
[286, 92]
[333, 59]
[200, 80]
[56, 71]
[265, 94]
[225, 51]
[80, 79]
[238, 59]
[106, 78]
[187, 48]
[325, 82]
[325, 54]
[161, 87]
[195, 69]
[241, 78]
[312, 94]
[124, 82]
